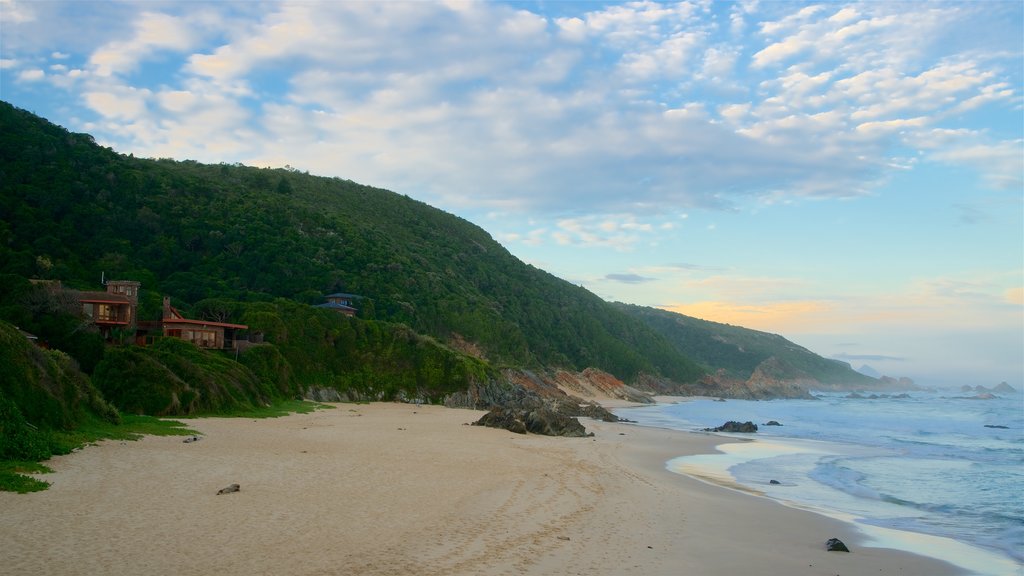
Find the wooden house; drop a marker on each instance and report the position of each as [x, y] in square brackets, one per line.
[340, 302]
[112, 309]
[202, 333]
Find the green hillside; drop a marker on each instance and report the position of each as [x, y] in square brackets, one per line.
[442, 306]
[738, 351]
[71, 210]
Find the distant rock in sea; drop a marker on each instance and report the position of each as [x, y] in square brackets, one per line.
[733, 426]
[869, 371]
[1004, 388]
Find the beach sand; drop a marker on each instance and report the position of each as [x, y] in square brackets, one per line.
[403, 489]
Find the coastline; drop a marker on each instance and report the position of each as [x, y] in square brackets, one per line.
[403, 489]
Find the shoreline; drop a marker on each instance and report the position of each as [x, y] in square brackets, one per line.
[403, 489]
[712, 468]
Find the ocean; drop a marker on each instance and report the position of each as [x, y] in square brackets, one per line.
[935, 473]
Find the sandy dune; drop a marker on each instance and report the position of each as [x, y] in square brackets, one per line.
[399, 489]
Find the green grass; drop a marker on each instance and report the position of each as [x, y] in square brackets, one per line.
[278, 409]
[13, 479]
[132, 427]
[90, 431]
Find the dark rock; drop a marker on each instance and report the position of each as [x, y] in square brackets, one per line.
[774, 482]
[540, 421]
[1000, 426]
[836, 545]
[191, 439]
[733, 426]
[505, 419]
[772, 423]
[854, 396]
[229, 489]
[1004, 388]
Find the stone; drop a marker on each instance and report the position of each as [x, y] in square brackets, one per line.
[775, 482]
[772, 423]
[544, 421]
[733, 426]
[229, 489]
[836, 545]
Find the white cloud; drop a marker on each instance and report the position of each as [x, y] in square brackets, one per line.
[126, 104]
[31, 75]
[152, 32]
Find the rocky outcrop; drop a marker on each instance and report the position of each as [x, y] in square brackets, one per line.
[594, 383]
[772, 379]
[734, 426]
[836, 545]
[533, 402]
[1004, 388]
[1001, 388]
[539, 421]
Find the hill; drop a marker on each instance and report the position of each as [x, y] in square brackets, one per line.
[443, 309]
[748, 363]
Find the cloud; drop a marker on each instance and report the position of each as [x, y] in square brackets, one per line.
[639, 108]
[31, 75]
[152, 32]
[869, 357]
[1015, 295]
[794, 316]
[628, 278]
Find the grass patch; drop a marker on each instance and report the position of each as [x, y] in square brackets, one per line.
[13, 479]
[279, 408]
[89, 431]
[132, 427]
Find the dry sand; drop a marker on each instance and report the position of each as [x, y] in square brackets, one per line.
[400, 489]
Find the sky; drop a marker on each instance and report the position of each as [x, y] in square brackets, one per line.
[847, 175]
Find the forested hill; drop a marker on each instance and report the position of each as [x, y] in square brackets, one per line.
[71, 210]
[236, 243]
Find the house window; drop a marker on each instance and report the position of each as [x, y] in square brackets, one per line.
[105, 312]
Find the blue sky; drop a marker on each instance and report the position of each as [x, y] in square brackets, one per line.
[848, 175]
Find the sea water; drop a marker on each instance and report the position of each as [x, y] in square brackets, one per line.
[933, 472]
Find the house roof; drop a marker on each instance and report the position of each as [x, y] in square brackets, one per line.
[342, 295]
[203, 323]
[335, 306]
[103, 298]
[177, 318]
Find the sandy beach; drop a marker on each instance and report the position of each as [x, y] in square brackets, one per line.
[403, 489]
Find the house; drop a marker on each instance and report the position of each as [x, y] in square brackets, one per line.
[340, 302]
[202, 333]
[113, 309]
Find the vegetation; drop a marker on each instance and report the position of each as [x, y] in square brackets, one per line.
[442, 306]
[71, 210]
[738, 351]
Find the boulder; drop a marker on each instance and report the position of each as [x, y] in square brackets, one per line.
[733, 426]
[538, 421]
[836, 545]
[229, 489]
[510, 420]
[772, 423]
[1004, 388]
